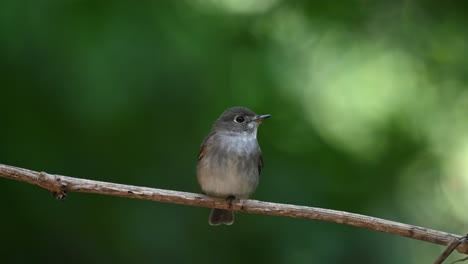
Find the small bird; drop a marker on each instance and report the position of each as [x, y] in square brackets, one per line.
[230, 159]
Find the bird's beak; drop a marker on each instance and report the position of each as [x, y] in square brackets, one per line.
[260, 118]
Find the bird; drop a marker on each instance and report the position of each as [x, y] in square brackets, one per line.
[230, 160]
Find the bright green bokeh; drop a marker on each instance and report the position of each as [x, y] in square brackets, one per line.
[369, 106]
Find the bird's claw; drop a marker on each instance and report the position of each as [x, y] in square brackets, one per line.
[229, 200]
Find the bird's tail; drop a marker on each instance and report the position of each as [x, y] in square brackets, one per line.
[221, 216]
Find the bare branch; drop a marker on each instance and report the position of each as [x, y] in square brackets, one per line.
[60, 185]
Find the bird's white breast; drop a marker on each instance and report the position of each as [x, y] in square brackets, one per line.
[243, 143]
[230, 165]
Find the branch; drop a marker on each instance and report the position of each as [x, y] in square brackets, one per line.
[60, 185]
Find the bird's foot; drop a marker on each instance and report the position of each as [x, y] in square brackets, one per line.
[230, 199]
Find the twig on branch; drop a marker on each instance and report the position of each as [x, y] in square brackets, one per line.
[60, 185]
[450, 248]
[460, 260]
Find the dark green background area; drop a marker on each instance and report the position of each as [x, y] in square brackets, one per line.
[369, 115]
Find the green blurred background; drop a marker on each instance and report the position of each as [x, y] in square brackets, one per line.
[370, 115]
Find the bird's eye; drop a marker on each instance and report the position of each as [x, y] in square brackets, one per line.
[239, 119]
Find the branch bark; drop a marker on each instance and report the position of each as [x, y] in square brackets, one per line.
[60, 185]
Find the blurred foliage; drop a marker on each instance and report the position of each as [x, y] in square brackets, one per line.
[369, 105]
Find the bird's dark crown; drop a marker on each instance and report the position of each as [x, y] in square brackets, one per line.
[230, 113]
[227, 120]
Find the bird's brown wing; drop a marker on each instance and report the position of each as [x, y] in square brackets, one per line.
[201, 153]
[203, 145]
[260, 165]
